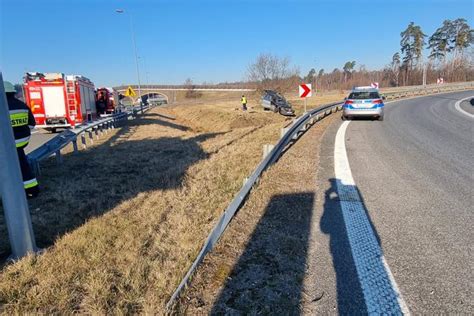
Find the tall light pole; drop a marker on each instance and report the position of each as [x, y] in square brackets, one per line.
[120, 11]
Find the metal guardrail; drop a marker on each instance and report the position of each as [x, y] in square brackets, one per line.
[97, 128]
[429, 89]
[289, 135]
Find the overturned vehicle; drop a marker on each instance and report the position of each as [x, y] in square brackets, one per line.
[273, 101]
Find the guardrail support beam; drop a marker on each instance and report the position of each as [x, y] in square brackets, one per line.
[83, 140]
[74, 145]
[59, 157]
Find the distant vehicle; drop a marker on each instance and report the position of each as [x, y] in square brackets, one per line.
[273, 101]
[363, 102]
[59, 101]
[156, 101]
[106, 100]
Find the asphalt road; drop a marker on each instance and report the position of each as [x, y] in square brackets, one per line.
[38, 138]
[415, 174]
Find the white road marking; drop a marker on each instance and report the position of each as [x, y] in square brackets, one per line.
[381, 292]
[458, 107]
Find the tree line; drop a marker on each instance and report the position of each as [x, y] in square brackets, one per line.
[450, 57]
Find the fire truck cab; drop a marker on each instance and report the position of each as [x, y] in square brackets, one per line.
[59, 101]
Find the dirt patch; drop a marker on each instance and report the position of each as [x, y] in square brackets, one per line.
[259, 264]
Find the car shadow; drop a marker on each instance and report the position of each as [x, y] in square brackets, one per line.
[90, 183]
[268, 277]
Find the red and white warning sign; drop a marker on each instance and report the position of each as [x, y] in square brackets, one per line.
[305, 90]
[374, 85]
[440, 81]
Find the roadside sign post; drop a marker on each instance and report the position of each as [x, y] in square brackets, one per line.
[17, 214]
[131, 93]
[305, 91]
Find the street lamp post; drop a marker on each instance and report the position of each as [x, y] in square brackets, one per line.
[120, 11]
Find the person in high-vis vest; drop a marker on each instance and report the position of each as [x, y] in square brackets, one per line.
[243, 100]
[22, 120]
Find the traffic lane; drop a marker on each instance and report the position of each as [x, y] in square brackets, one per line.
[414, 172]
[468, 106]
[38, 138]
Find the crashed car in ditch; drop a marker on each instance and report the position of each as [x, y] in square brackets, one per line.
[273, 101]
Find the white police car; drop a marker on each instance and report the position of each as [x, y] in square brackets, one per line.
[363, 102]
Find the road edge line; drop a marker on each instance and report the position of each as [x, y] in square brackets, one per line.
[350, 200]
[457, 105]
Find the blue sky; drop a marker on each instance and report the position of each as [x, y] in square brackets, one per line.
[211, 41]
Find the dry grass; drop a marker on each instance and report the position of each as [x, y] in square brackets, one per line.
[123, 220]
[259, 264]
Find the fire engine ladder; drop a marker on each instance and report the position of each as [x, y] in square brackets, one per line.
[71, 98]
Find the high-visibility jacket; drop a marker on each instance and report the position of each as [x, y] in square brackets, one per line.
[21, 120]
[243, 100]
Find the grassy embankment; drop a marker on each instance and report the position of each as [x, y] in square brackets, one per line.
[122, 221]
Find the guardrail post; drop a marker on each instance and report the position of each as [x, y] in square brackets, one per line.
[59, 158]
[283, 131]
[74, 145]
[15, 206]
[90, 136]
[83, 140]
[95, 128]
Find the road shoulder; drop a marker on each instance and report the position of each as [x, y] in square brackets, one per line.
[260, 264]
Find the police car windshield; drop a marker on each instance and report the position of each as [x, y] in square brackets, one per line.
[360, 95]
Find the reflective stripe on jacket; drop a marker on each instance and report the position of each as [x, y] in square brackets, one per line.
[30, 183]
[21, 120]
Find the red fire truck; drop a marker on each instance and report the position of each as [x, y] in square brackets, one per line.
[106, 100]
[59, 101]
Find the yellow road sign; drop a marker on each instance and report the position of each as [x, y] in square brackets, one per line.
[130, 92]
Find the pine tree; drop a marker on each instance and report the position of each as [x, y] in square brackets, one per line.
[412, 42]
[462, 36]
[439, 42]
[348, 68]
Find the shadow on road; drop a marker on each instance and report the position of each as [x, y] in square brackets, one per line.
[268, 277]
[93, 182]
[350, 297]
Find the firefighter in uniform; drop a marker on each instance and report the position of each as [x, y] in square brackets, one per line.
[22, 120]
[243, 100]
